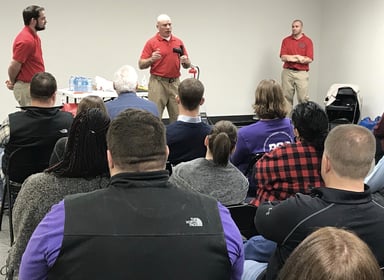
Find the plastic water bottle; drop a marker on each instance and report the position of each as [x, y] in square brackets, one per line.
[78, 83]
[89, 85]
[72, 83]
[84, 84]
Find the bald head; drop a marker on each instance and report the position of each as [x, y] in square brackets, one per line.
[164, 25]
[351, 150]
[163, 17]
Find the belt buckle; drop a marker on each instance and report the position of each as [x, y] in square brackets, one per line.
[171, 80]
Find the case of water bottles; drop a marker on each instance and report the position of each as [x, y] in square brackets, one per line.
[80, 84]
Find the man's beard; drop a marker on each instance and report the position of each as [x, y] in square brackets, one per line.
[39, 28]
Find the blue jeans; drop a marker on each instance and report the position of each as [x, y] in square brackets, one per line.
[252, 269]
[257, 252]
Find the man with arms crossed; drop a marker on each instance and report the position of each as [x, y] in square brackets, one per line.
[141, 226]
[27, 57]
[296, 52]
[164, 53]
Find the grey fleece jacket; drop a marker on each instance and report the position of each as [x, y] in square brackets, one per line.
[227, 184]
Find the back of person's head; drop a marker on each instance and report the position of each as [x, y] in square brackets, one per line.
[31, 12]
[90, 102]
[85, 154]
[331, 254]
[43, 86]
[222, 141]
[311, 122]
[270, 102]
[125, 79]
[191, 93]
[136, 141]
[351, 150]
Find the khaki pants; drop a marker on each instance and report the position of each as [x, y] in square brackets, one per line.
[162, 92]
[294, 81]
[22, 93]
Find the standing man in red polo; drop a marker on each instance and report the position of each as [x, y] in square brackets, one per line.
[296, 53]
[164, 53]
[27, 57]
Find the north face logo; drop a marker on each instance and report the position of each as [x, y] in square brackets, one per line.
[194, 222]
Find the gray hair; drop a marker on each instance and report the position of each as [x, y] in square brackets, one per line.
[125, 79]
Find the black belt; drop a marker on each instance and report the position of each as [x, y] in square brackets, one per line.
[169, 80]
[295, 69]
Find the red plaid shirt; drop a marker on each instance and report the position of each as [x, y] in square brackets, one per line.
[285, 171]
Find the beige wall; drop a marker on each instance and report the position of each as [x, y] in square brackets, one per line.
[235, 44]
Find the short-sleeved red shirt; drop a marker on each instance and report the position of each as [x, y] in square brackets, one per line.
[292, 46]
[27, 50]
[169, 64]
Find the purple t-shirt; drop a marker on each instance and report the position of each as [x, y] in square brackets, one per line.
[44, 246]
[261, 137]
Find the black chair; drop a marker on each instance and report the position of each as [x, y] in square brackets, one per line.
[250, 173]
[243, 215]
[21, 163]
[346, 106]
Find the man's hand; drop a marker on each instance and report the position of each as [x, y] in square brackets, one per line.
[185, 61]
[9, 84]
[301, 59]
[156, 55]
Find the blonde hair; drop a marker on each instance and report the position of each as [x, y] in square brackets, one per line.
[270, 102]
[331, 254]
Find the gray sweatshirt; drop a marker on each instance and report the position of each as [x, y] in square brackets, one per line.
[227, 184]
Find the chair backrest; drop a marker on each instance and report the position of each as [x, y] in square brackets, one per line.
[250, 173]
[251, 165]
[346, 105]
[24, 161]
[243, 215]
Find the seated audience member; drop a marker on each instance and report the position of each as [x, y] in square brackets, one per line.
[39, 124]
[92, 101]
[272, 130]
[84, 168]
[143, 225]
[125, 84]
[86, 103]
[295, 167]
[185, 137]
[214, 175]
[344, 202]
[331, 253]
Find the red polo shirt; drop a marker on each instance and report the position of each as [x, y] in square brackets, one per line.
[169, 64]
[27, 50]
[292, 46]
